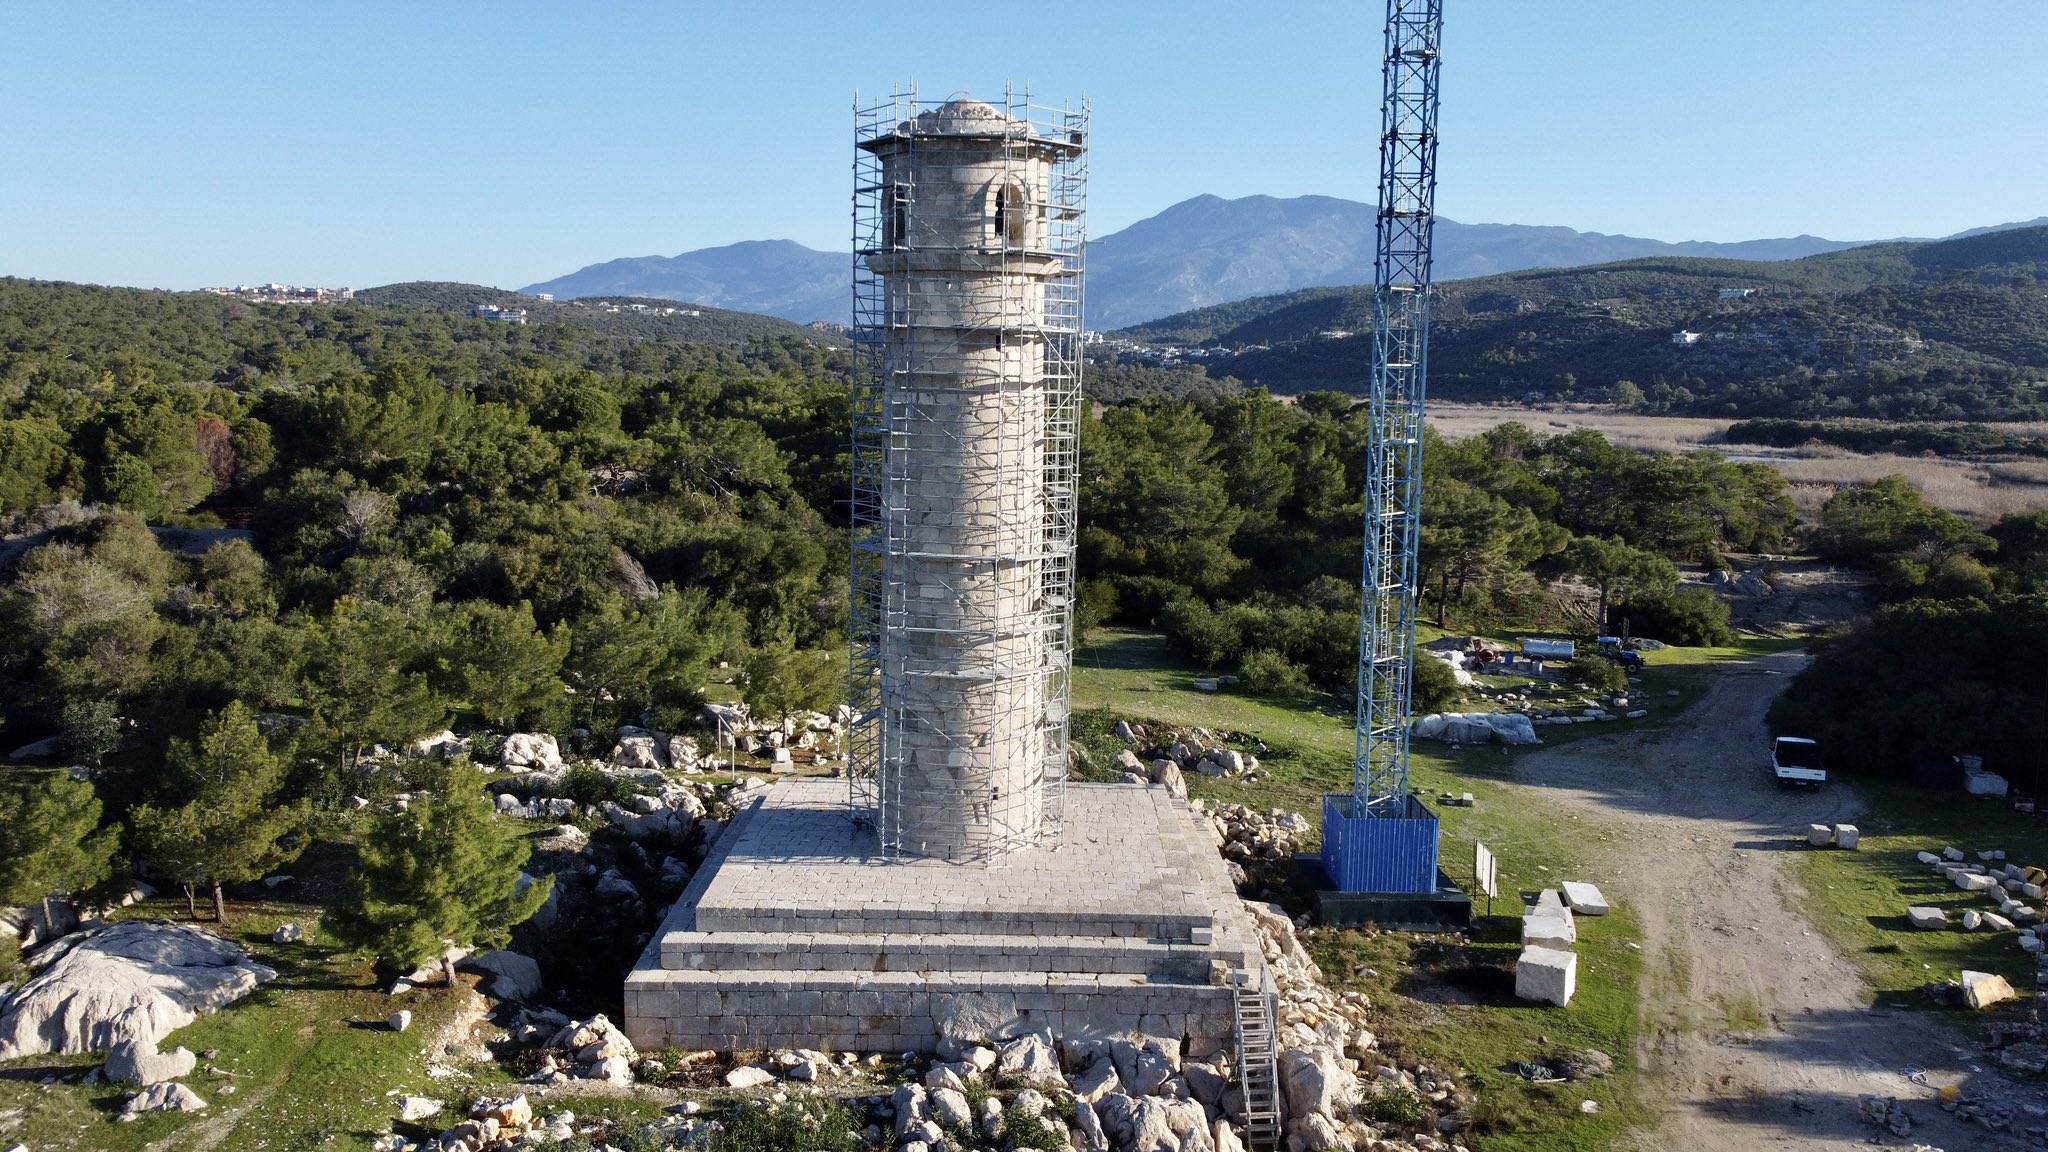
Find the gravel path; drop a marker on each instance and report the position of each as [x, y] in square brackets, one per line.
[1758, 1033]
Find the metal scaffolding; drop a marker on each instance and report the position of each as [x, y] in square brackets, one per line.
[968, 236]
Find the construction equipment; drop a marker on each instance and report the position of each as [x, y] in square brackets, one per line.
[1362, 855]
[1617, 650]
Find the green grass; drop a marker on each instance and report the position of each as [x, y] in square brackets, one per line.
[1859, 899]
[1439, 1000]
[1128, 674]
[1442, 1002]
[313, 1064]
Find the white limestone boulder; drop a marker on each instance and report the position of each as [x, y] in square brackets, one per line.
[1138, 1123]
[135, 981]
[1144, 1063]
[138, 1062]
[641, 753]
[536, 750]
[164, 1098]
[1847, 836]
[1316, 1084]
[949, 1108]
[1088, 1132]
[1097, 1080]
[1820, 835]
[1546, 976]
[1314, 1134]
[507, 975]
[1031, 1058]
[444, 744]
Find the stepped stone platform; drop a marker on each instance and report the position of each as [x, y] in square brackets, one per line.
[798, 933]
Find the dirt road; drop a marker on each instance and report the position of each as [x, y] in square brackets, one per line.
[1758, 1034]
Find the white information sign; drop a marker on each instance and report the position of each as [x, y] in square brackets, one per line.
[1486, 868]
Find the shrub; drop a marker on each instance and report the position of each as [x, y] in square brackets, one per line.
[1434, 686]
[1269, 673]
[585, 784]
[782, 1127]
[1205, 635]
[1021, 1131]
[1098, 605]
[1599, 673]
[1394, 1106]
[1691, 616]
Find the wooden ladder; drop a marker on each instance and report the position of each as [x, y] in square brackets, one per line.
[1257, 1070]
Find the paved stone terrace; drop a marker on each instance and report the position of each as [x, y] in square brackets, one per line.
[797, 932]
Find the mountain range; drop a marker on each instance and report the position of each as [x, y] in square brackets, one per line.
[1953, 329]
[1203, 251]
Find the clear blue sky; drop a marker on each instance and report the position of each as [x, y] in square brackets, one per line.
[180, 145]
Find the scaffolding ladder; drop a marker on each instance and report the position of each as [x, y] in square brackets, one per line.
[1258, 1071]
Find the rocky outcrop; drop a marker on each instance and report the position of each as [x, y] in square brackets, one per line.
[532, 750]
[131, 982]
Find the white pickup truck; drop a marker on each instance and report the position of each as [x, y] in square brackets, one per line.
[1795, 760]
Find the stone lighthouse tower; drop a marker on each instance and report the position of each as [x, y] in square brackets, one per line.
[804, 928]
[964, 505]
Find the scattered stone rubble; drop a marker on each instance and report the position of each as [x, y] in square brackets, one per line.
[1162, 755]
[1125, 1094]
[2016, 890]
[1259, 846]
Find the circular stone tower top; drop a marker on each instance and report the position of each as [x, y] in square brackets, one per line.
[968, 278]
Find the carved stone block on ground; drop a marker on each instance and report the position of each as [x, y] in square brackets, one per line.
[1546, 975]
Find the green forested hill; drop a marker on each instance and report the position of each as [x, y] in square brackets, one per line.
[632, 317]
[74, 333]
[1947, 330]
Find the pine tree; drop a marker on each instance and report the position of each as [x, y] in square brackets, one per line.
[233, 824]
[51, 843]
[441, 872]
[500, 661]
[783, 680]
[357, 680]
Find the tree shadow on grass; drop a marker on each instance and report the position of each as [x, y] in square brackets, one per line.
[312, 968]
[1128, 651]
[41, 1066]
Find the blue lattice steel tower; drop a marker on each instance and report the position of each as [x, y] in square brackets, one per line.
[1380, 838]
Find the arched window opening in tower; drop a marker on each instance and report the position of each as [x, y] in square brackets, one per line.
[1012, 217]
